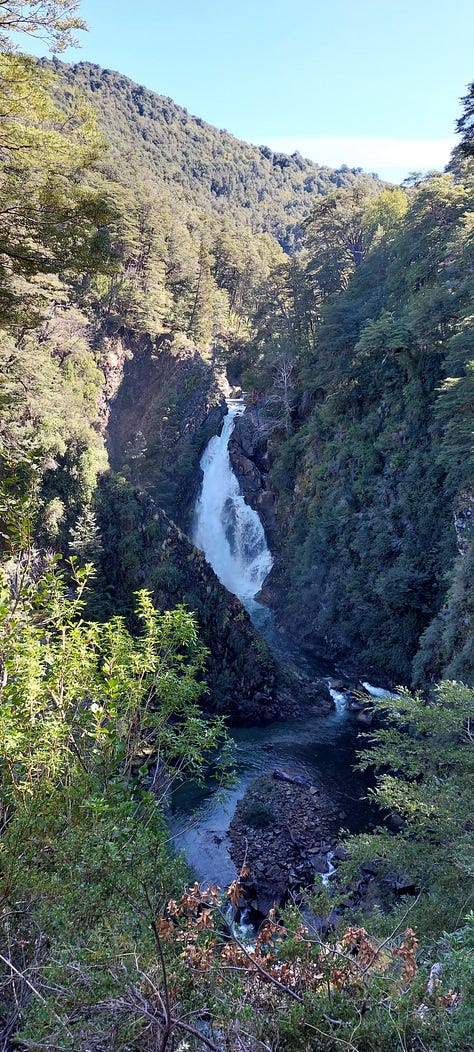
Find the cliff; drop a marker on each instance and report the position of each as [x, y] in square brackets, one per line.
[166, 407]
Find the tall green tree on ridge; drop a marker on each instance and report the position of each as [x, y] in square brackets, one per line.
[336, 237]
[465, 126]
[51, 221]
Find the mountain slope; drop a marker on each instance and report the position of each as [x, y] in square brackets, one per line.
[153, 138]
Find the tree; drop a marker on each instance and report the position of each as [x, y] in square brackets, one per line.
[52, 221]
[200, 320]
[465, 126]
[423, 757]
[337, 238]
[52, 20]
[85, 540]
[277, 401]
[384, 213]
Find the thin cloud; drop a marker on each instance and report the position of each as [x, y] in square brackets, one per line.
[391, 158]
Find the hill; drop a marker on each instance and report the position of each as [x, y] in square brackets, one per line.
[152, 138]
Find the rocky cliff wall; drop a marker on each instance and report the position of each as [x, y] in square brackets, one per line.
[251, 461]
[161, 414]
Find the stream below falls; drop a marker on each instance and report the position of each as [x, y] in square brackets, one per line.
[317, 748]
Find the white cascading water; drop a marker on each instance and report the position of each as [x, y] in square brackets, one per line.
[225, 528]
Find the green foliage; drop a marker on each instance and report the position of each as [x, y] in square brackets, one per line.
[258, 814]
[94, 724]
[465, 126]
[423, 757]
[51, 218]
[54, 228]
[51, 20]
[381, 457]
[337, 236]
[49, 386]
[83, 702]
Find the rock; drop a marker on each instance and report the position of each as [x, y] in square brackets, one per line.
[267, 896]
[340, 855]
[282, 776]
[275, 874]
[370, 869]
[365, 716]
[401, 883]
[319, 863]
[356, 704]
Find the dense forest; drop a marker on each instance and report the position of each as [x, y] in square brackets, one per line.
[144, 257]
[373, 467]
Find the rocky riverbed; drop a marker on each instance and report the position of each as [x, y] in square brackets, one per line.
[283, 831]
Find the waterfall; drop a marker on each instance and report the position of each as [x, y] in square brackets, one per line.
[225, 528]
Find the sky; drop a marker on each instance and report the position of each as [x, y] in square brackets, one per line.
[368, 83]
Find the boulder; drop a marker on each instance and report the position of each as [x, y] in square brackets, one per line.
[283, 776]
[319, 863]
[401, 883]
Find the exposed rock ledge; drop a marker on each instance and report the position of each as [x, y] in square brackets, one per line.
[251, 463]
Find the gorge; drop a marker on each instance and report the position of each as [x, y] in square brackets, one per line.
[135, 275]
[315, 751]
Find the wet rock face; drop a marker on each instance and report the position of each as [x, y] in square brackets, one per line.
[282, 830]
[251, 463]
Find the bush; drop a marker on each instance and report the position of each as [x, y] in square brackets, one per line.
[258, 814]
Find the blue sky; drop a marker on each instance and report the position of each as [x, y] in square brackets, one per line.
[374, 83]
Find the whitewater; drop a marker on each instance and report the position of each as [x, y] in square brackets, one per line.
[225, 527]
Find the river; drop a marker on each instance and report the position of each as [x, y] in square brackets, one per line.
[318, 748]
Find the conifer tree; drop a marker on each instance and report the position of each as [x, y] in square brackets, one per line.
[85, 538]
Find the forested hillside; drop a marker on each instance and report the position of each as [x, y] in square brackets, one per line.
[363, 374]
[130, 255]
[143, 255]
[153, 140]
